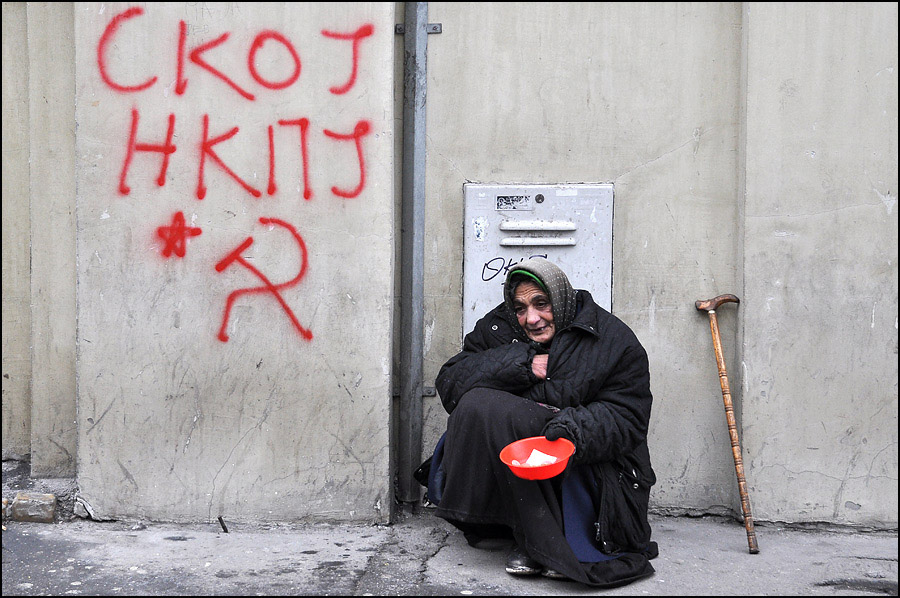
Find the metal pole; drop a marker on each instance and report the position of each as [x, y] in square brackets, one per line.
[412, 251]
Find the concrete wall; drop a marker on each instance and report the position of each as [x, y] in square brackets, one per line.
[644, 96]
[820, 262]
[16, 379]
[235, 313]
[753, 149]
[51, 44]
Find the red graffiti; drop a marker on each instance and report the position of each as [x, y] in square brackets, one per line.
[361, 129]
[251, 59]
[206, 150]
[272, 188]
[180, 81]
[303, 123]
[268, 287]
[165, 149]
[105, 39]
[176, 235]
[356, 37]
[273, 68]
[197, 55]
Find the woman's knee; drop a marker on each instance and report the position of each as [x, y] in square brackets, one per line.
[470, 405]
[491, 406]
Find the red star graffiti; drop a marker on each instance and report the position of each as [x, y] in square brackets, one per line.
[176, 235]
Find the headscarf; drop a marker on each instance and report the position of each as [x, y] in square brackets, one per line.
[552, 280]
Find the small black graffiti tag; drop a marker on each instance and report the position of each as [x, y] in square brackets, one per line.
[501, 265]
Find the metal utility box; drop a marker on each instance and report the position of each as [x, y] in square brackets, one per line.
[569, 224]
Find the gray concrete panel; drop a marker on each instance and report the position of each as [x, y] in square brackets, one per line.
[235, 325]
[52, 179]
[16, 379]
[644, 96]
[820, 311]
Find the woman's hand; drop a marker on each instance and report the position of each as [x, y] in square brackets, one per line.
[539, 366]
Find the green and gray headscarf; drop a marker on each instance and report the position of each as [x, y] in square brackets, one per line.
[552, 280]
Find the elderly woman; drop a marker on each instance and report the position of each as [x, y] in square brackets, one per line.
[549, 361]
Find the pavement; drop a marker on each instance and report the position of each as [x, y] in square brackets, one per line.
[417, 555]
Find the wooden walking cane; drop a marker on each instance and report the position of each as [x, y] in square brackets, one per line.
[710, 305]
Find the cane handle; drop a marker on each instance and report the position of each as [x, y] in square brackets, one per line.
[715, 302]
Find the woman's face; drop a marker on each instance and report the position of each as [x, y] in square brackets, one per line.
[534, 312]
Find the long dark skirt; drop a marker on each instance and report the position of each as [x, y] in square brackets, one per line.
[483, 497]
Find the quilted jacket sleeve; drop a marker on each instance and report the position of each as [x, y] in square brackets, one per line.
[488, 360]
[612, 422]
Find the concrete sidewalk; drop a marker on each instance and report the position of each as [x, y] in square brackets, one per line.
[419, 555]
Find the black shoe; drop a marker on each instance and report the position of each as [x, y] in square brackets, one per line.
[552, 573]
[519, 563]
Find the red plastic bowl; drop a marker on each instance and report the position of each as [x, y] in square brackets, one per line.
[520, 450]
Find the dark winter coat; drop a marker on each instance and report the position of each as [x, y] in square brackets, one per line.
[598, 376]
